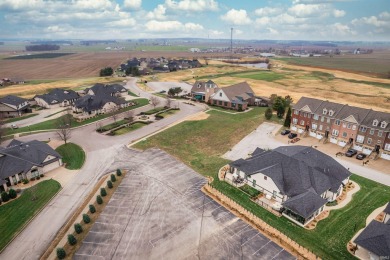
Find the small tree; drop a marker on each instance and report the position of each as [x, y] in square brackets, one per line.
[168, 102]
[64, 127]
[109, 184]
[72, 240]
[103, 192]
[4, 196]
[107, 71]
[114, 113]
[61, 254]
[118, 172]
[129, 116]
[287, 121]
[99, 199]
[113, 178]
[92, 208]
[155, 101]
[12, 194]
[78, 228]
[86, 218]
[288, 100]
[268, 113]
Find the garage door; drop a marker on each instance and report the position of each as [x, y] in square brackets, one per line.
[358, 147]
[300, 131]
[342, 143]
[385, 156]
[313, 134]
[366, 151]
[333, 140]
[294, 128]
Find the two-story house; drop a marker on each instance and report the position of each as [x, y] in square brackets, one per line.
[13, 106]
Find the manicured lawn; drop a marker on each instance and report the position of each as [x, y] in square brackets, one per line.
[131, 94]
[154, 110]
[127, 129]
[18, 212]
[56, 113]
[15, 119]
[200, 144]
[52, 124]
[73, 155]
[111, 126]
[168, 113]
[261, 75]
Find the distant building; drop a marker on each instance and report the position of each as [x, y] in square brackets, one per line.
[13, 106]
[237, 97]
[202, 91]
[56, 98]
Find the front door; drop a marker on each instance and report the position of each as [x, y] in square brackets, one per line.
[326, 134]
[350, 140]
[377, 147]
[307, 128]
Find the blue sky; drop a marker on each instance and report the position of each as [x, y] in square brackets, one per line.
[367, 20]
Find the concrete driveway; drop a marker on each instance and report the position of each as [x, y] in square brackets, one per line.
[159, 212]
[101, 153]
[42, 116]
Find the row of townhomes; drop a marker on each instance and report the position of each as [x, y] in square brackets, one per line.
[98, 99]
[19, 161]
[362, 129]
[299, 179]
[237, 97]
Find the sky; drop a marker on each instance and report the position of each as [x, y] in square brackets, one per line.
[329, 20]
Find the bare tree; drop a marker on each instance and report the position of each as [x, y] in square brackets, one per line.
[114, 113]
[64, 127]
[129, 116]
[168, 102]
[155, 101]
[2, 128]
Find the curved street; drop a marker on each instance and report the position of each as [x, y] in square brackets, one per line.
[101, 154]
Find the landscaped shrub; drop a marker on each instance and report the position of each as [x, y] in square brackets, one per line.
[19, 181]
[109, 184]
[99, 199]
[12, 193]
[42, 175]
[103, 192]
[72, 240]
[25, 181]
[32, 179]
[18, 190]
[118, 172]
[61, 254]
[113, 178]
[78, 228]
[92, 208]
[86, 218]
[4, 196]
[37, 178]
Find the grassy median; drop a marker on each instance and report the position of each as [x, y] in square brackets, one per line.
[72, 155]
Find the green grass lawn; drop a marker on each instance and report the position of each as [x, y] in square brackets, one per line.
[168, 113]
[131, 94]
[154, 110]
[15, 119]
[127, 129]
[18, 212]
[261, 75]
[200, 144]
[111, 126]
[52, 124]
[56, 113]
[73, 155]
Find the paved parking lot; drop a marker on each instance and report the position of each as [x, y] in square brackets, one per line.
[159, 212]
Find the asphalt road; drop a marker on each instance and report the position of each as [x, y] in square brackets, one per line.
[101, 152]
[159, 212]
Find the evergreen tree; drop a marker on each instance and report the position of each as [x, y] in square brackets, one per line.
[287, 121]
[268, 113]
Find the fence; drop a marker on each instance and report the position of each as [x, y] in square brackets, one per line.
[248, 216]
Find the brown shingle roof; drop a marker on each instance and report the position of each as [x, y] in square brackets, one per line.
[242, 90]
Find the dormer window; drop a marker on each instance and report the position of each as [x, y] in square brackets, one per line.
[324, 111]
[383, 124]
[220, 94]
[199, 85]
[375, 123]
[331, 112]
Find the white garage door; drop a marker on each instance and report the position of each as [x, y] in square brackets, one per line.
[385, 156]
[333, 140]
[300, 130]
[294, 128]
[366, 151]
[342, 143]
[358, 147]
[313, 134]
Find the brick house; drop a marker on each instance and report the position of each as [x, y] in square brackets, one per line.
[237, 97]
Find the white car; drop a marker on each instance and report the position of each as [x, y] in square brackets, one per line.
[14, 126]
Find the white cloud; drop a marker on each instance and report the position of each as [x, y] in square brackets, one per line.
[216, 32]
[268, 11]
[306, 10]
[132, 4]
[338, 13]
[92, 4]
[236, 17]
[21, 4]
[157, 14]
[384, 16]
[238, 32]
[263, 21]
[172, 26]
[383, 20]
[192, 5]
[123, 23]
[272, 31]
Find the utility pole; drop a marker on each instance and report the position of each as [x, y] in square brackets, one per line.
[231, 40]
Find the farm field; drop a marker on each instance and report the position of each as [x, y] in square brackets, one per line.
[48, 55]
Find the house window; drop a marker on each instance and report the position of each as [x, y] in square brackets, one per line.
[375, 123]
[328, 120]
[349, 126]
[344, 134]
[363, 129]
[379, 142]
[225, 104]
[302, 122]
[296, 112]
[315, 117]
[324, 111]
[387, 147]
[369, 141]
[335, 132]
[304, 114]
[295, 121]
[320, 127]
[380, 133]
[254, 183]
[383, 124]
[308, 115]
[353, 127]
[314, 126]
[360, 139]
[265, 177]
[220, 103]
[215, 102]
[220, 94]
[344, 125]
[233, 104]
[337, 122]
[372, 131]
[322, 119]
[331, 112]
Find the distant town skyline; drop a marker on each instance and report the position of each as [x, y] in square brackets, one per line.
[333, 20]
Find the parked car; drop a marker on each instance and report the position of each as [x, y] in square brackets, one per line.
[285, 132]
[292, 135]
[14, 126]
[350, 152]
[361, 156]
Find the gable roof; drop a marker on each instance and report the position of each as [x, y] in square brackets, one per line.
[58, 96]
[377, 115]
[387, 209]
[239, 92]
[311, 103]
[305, 204]
[95, 102]
[296, 170]
[19, 157]
[200, 86]
[335, 107]
[358, 113]
[102, 89]
[375, 238]
[12, 100]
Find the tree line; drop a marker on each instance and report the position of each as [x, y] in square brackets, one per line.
[280, 104]
[43, 47]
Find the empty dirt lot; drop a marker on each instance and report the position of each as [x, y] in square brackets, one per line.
[159, 212]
